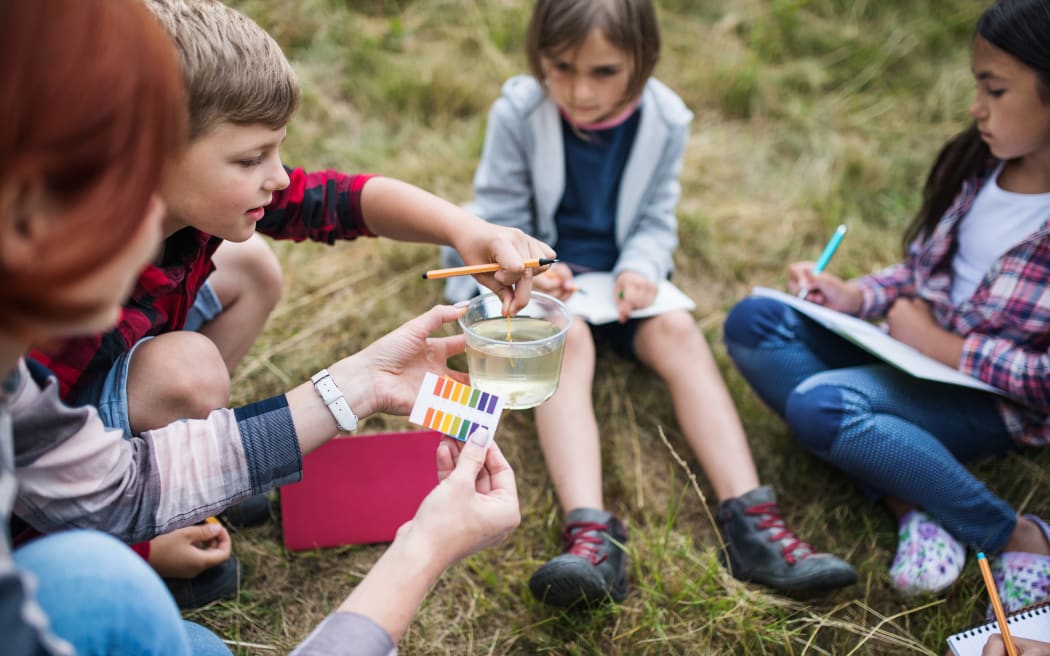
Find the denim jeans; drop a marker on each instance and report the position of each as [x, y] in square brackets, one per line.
[103, 598]
[894, 434]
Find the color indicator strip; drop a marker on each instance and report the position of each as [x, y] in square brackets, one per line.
[455, 409]
[451, 425]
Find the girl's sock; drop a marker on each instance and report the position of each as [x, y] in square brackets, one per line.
[928, 558]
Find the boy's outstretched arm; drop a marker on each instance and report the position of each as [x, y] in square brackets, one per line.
[401, 211]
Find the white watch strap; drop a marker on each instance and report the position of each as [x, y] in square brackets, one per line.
[333, 398]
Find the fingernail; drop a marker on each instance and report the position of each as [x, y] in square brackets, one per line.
[214, 528]
[480, 437]
[461, 304]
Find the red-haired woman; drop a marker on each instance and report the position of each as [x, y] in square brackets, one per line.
[92, 103]
[93, 109]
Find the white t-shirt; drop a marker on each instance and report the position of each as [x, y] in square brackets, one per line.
[997, 221]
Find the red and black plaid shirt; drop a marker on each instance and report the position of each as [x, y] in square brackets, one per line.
[321, 206]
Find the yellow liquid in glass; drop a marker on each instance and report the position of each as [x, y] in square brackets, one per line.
[506, 364]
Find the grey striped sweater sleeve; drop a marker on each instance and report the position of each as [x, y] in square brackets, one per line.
[24, 624]
[73, 473]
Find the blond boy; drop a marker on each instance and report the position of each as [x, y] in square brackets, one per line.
[198, 308]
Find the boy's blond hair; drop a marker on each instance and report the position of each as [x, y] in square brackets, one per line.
[234, 70]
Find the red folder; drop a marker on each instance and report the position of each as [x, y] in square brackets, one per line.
[359, 489]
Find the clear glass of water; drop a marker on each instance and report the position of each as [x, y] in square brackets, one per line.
[516, 358]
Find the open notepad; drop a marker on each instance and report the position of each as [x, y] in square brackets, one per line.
[1032, 623]
[595, 300]
[872, 339]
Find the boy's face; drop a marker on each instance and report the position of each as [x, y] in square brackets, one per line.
[224, 180]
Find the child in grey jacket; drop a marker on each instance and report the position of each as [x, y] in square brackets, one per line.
[585, 154]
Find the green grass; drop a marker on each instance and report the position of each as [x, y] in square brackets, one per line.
[808, 114]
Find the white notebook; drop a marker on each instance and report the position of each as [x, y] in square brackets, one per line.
[1032, 623]
[873, 340]
[596, 302]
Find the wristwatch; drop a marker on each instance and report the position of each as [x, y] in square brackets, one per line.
[333, 398]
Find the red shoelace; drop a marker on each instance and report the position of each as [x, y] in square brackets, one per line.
[582, 539]
[774, 520]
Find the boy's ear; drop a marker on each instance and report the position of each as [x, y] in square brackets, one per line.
[24, 218]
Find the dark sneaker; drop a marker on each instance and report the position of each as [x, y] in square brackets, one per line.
[253, 511]
[213, 584]
[762, 549]
[593, 567]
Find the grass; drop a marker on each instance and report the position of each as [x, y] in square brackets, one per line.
[808, 114]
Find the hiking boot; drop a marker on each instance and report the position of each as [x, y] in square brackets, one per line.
[215, 583]
[593, 567]
[252, 511]
[762, 549]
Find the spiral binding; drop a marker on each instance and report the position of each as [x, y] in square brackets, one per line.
[1014, 618]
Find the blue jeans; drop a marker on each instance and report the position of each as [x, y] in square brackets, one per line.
[103, 598]
[895, 434]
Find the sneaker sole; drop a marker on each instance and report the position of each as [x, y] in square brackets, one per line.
[561, 593]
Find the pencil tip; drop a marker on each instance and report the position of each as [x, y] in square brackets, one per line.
[424, 276]
[980, 555]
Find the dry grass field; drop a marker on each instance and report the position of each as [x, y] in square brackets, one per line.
[809, 113]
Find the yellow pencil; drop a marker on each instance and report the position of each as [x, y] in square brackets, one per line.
[997, 605]
[481, 268]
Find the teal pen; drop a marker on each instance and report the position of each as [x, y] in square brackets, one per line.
[825, 255]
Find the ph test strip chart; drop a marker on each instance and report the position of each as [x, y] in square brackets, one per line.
[453, 408]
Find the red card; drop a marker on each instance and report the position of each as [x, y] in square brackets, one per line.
[359, 490]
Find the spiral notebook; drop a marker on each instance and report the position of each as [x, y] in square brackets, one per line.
[1032, 622]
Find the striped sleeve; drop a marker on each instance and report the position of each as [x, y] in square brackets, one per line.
[74, 473]
[345, 633]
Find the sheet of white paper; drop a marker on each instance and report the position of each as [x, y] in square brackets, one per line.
[875, 341]
[595, 301]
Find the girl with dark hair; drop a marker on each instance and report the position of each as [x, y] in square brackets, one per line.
[973, 292]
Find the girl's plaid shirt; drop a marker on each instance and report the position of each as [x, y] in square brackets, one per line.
[1006, 323]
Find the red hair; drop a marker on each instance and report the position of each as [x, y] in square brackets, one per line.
[93, 111]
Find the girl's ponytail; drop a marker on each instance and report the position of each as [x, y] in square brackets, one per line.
[960, 158]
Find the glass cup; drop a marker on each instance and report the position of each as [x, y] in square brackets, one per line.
[516, 358]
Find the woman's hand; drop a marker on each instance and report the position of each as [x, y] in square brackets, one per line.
[633, 292]
[388, 372]
[474, 506]
[186, 552]
[510, 248]
[824, 288]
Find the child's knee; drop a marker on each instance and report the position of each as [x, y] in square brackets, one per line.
[816, 414]
[578, 336]
[677, 328]
[753, 321]
[183, 369]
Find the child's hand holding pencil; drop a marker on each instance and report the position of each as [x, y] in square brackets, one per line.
[556, 281]
[996, 647]
[824, 288]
